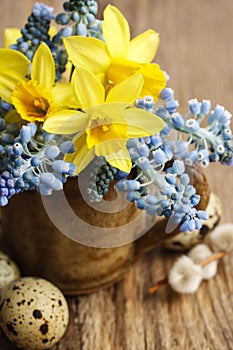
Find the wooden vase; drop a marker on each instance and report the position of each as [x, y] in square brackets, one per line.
[40, 249]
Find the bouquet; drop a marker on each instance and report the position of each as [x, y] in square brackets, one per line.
[87, 97]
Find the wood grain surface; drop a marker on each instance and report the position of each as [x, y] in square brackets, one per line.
[197, 50]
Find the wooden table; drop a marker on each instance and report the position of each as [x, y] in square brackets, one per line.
[197, 50]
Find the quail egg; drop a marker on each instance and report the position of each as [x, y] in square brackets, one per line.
[8, 270]
[33, 313]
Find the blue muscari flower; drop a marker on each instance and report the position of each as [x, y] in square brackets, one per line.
[171, 106]
[198, 224]
[178, 167]
[218, 111]
[33, 128]
[60, 166]
[140, 203]
[194, 106]
[202, 154]
[214, 157]
[143, 149]
[192, 157]
[191, 225]
[225, 118]
[35, 161]
[148, 102]
[166, 147]
[47, 178]
[66, 32]
[17, 149]
[205, 107]
[3, 201]
[72, 169]
[57, 185]
[167, 94]
[52, 152]
[151, 210]
[220, 149]
[156, 140]
[62, 18]
[132, 196]
[151, 199]
[226, 133]
[203, 215]
[159, 156]
[128, 185]
[166, 131]
[171, 178]
[25, 133]
[192, 125]
[177, 120]
[195, 199]
[133, 153]
[143, 163]
[166, 190]
[44, 189]
[67, 147]
[162, 112]
[181, 149]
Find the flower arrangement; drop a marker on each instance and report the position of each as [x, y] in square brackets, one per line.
[89, 97]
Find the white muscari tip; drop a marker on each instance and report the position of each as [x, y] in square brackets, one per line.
[201, 252]
[185, 276]
[222, 236]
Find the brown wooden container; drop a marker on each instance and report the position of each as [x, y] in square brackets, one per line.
[39, 248]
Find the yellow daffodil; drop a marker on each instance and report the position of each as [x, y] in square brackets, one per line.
[104, 124]
[118, 58]
[34, 99]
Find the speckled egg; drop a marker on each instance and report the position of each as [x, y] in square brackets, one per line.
[8, 270]
[33, 313]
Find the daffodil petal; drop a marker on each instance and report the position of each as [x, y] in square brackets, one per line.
[43, 68]
[143, 47]
[52, 31]
[126, 91]
[110, 147]
[90, 53]
[66, 122]
[13, 68]
[116, 32]
[142, 123]
[10, 36]
[63, 96]
[120, 160]
[113, 109]
[154, 80]
[82, 155]
[89, 91]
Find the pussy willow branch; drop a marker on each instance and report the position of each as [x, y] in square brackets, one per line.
[164, 282]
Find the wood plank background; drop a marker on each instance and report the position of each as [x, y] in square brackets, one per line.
[197, 50]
